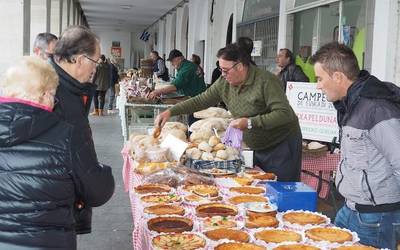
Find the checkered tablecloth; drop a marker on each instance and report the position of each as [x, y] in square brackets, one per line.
[326, 164]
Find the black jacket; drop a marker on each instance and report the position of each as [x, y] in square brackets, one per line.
[164, 75]
[292, 73]
[73, 107]
[37, 188]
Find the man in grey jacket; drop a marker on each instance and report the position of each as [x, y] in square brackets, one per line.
[368, 174]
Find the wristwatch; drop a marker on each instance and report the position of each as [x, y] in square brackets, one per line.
[249, 123]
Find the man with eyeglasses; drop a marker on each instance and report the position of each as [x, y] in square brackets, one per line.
[261, 110]
[44, 45]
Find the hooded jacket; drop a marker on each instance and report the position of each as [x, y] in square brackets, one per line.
[73, 107]
[369, 170]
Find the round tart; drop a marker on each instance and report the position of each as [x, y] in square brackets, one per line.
[152, 188]
[226, 233]
[238, 246]
[218, 172]
[253, 172]
[278, 236]
[164, 209]
[356, 247]
[248, 190]
[329, 234]
[261, 221]
[178, 241]
[243, 181]
[296, 247]
[303, 218]
[265, 177]
[260, 208]
[218, 222]
[247, 198]
[203, 190]
[216, 209]
[161, 198]
[171, 224]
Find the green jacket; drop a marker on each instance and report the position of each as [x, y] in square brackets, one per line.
[307, 68]
[187, 81]
[261, 98]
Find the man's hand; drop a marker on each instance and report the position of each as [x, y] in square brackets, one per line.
[162, 118]
[153, 95]
[240, 123]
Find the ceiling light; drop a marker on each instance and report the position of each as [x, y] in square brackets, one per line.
[126, 7]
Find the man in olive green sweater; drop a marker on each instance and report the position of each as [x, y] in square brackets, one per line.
[261, 110]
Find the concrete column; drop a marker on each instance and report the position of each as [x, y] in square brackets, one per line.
[38, 19]
[282, 25]
[55, 17]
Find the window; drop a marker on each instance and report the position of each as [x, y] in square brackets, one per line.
[254, 9]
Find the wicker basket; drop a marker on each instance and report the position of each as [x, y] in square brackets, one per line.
[234, 166]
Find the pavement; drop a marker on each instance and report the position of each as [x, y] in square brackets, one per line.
[112, 222]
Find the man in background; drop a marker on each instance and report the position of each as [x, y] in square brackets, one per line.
[288, 70]
[159, 68]
[44, 45]
[113, 80]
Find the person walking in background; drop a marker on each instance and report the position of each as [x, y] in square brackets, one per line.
[197, 60]
[215, 74]
[44, 45]
[39, 162]
[102, 80]
[288, 71]
[114, 77]
[159, 68]
[75, 59]
[368, 175]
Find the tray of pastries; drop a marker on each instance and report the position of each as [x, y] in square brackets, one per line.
[202, 190]
[296, 247]
[248, 190]
[170, 224]
[152, 188]
[243, 181]
[330, 234]
[247, 198]
[216, 209]
[216, 222]
[178, 241]
[278, 236]
[227, 233]
[238, 246]
[161, 198]
[260, 208]
[356, 247]
[165, 209]
[304, 218]
[261, 221]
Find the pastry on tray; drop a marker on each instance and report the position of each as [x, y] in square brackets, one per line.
[238, 246]
[178, 241]
[296, 247]
[261, 221]
[203, 190]
[216, 209]
[152, 188]
[260, 208]
[247, 198]
[170, 224]
[265, 176]
[329, 234]
[227, 233]
[278, 236]
[165, 209]
[303, 218]
[243, 180]
[161, 198]
[219, 222]
[248, 190]
[356, 247]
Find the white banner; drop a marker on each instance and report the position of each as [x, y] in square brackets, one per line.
[317, 116]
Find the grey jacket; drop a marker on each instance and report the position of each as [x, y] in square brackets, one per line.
[369, 120]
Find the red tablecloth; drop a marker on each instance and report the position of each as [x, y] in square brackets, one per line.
[326, 164]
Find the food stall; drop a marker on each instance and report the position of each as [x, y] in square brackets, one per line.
[220, 205]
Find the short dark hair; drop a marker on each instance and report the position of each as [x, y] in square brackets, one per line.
[246, 44]
[75, 40]
[288, 54]
[232, 52]
[335, 57]
[43, 40]
[154, 52]
[196, 59]
[103, 58]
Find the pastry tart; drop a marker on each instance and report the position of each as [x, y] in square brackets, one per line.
[248, 190]
[216, 209]
[247, 198]
[296, 247]
[173, 224]
[165, 209]
[278, 236]
[178, 241]
[152, 188]
[218, 222]
[303, 218]
[227, 233]
[203, 190]
[161, 198]
[238, 246]
[265, 176]
[330, 234]
[243, 180]
[356, 247]
[261, 221]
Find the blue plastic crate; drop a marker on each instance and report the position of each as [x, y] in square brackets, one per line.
[292, 195]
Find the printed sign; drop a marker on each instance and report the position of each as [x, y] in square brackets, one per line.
[317, 116]
[257, 48]
[116, 52]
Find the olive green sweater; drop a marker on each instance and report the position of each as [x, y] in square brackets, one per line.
[260, 98]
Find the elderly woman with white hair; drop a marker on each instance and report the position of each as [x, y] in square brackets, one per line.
[38, 184]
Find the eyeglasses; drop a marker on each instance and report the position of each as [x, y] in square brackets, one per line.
[226, 71]
[90, 59]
